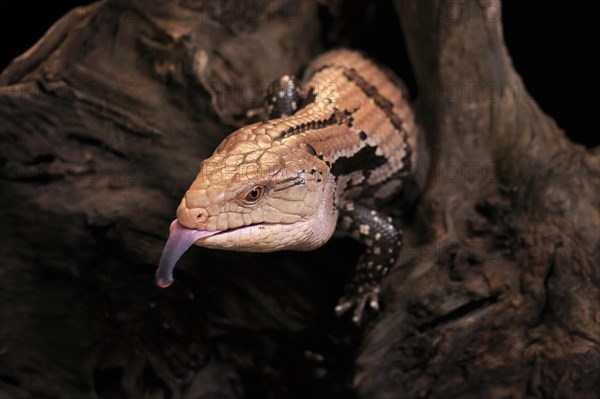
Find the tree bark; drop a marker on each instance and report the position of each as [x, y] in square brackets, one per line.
[103, 125]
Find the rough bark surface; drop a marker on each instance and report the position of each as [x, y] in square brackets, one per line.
[103, 125]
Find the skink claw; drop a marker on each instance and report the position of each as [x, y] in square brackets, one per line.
[358, 301]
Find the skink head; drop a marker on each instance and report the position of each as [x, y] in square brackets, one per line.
[262, 195]
[254, 194]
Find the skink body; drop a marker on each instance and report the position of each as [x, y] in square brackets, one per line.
[290, 182]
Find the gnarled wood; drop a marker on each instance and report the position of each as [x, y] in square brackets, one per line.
[103, 125]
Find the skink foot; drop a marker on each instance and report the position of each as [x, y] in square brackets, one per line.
[358, 301]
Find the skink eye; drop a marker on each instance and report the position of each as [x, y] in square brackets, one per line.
[254, 195]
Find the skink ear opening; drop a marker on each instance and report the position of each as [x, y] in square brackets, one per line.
[310, 149]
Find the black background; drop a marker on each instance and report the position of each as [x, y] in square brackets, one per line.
[551, 47]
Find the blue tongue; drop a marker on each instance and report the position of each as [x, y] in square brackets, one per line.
[180, 239]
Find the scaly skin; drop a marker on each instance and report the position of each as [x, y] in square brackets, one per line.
[284, 183]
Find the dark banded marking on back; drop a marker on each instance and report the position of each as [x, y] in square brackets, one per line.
[366, 159]
[336, 117]
[371, 91]
[306, 126]
[385, 105]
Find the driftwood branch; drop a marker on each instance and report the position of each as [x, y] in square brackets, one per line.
[103, 125]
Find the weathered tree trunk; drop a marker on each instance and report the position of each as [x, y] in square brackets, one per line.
[103, 125]
[501, 298]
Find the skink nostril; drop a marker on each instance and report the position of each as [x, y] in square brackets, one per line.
[201, 216]
[191, 218]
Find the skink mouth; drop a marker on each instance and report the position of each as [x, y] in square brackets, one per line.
[221, 232]
[180, 240]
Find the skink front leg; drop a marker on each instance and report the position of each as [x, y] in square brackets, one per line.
[382, 240]
[284, 98]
